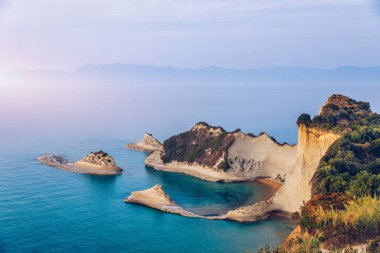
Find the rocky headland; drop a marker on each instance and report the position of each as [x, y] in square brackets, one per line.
[98, 163]
[333, 172]
[148, 144]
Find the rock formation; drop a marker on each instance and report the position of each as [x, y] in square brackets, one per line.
[213, 154]
[312, 145]
[98, 163]
[157, 198]
[149, 144]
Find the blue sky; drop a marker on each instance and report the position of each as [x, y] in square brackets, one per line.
[66, 34]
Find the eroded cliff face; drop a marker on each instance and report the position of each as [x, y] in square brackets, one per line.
[260, 156]
[312, 146]
[214, 154]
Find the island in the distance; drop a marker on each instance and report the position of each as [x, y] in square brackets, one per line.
[97, 163]
[329, 181]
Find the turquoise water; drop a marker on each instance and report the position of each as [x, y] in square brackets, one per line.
[44, 209]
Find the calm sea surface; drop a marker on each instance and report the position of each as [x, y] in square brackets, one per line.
[44, 209]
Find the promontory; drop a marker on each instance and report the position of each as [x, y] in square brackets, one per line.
[329, 181]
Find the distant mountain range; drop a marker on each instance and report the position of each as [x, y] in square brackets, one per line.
[215, 73]
[125, 72]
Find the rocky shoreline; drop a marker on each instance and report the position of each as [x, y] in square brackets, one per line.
[81, 166]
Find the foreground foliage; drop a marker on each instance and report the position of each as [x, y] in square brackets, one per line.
[345, 208]
[346, 221]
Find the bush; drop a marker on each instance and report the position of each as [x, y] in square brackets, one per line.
[304, 119]
[374, 148]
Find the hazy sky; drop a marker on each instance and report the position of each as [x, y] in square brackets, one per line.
[65, 34]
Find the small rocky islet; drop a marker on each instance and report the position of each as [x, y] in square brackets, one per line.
[97, 163]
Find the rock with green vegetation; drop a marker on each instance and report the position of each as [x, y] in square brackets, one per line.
[99, 158]
[202, 144]
[345, 208]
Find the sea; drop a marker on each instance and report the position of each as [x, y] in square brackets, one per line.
[44, 209]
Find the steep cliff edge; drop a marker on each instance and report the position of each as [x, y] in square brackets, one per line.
[312, 146]
[343, 211]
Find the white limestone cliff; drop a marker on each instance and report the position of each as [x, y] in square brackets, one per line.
[312, 146]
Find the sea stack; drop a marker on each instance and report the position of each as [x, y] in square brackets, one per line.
[148, 144]
[97, 163]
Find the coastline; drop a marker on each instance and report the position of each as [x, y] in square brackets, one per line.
[208, 174]
[156, 198]
[78, 167]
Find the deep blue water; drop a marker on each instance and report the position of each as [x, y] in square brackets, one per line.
[44, 209]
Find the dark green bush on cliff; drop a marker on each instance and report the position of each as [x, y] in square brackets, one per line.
[304, 119]
[325, 121]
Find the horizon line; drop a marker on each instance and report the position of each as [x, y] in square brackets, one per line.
[189, 68]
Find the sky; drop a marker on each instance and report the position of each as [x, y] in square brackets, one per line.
[66, 34]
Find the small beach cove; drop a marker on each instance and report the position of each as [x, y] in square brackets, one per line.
[207, 198]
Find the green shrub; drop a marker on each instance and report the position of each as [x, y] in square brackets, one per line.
[304, 119]
[224, 165]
